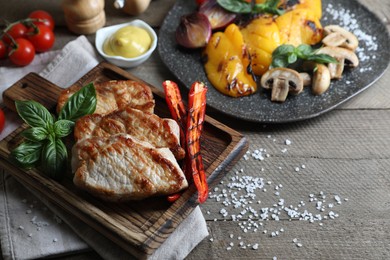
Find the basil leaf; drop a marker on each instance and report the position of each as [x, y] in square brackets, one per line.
[304, 50]
[270, 6]
[279, 62]
[287, 54]
[27, 154]
[63, 127]
[33, 113]
[292, 58]
[82, 103]
[54, 158]
[322, 58]
[35, 134]
[236, 6]
[283, 49]
[243, 7]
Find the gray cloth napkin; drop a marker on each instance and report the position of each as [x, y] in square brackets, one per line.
[30, 226]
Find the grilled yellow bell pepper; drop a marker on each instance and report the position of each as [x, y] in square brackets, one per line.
[227, 63]
[262, 38]
[265, 33]
[299, 26]
[232, 55]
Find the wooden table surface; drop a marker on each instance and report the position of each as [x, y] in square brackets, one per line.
[341, 159]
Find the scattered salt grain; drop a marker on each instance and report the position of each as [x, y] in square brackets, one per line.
[238, 193]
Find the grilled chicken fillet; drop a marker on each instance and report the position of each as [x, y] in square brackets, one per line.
[121, 168]
[115, 94]
[143, 126]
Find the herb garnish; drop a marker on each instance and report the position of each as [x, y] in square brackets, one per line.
[243, 7]
[287, 54]
[43, 145]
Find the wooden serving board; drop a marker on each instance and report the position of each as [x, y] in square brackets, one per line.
[139, 227]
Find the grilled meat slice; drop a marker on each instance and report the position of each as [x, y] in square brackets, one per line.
[121, 168]
[116, 94]
[146, 127]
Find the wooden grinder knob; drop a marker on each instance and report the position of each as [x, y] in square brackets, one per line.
[84, 16]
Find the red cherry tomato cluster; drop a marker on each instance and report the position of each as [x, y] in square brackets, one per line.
[22, 39]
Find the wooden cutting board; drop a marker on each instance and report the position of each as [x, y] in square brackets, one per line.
[139, 227]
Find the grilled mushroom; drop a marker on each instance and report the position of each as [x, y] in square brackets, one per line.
[282, 81]
[306, 78]
[320, 81]
[337, 36]
[343, 56]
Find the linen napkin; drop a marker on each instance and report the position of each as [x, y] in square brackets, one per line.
[30, 226]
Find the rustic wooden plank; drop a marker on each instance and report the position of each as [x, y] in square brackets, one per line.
[345, 153]
[338, 240]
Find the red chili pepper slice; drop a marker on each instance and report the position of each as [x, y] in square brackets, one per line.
[176, 107]
[175, 102]
[191, 126]
[195, 120]
[172, 198]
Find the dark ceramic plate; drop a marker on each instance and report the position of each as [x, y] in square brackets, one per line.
[373, 51]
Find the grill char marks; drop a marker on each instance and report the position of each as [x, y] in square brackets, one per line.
[143, 126]
[121, 168]
[116, 94]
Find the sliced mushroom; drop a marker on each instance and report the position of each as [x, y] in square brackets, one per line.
[282, 81]
[344, 58]
[321, 79]
[306, 78]
[337, 36]
[321, 76]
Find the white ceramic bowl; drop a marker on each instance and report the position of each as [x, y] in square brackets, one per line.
[105, 32]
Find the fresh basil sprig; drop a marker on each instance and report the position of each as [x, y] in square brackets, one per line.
[243, 7]
[43, 145]
[287, 54]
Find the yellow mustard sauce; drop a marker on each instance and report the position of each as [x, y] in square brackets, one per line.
[129, 42]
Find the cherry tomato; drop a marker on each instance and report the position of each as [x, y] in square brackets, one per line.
[2, 120]
[16, 31]
[23, 53]
[40, 14]
[41, 37]
[3, 49]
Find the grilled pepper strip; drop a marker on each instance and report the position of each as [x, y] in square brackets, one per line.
[175, 102]
[195, 120]
[176, 107]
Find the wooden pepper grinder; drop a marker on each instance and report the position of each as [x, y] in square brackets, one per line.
[84, 16]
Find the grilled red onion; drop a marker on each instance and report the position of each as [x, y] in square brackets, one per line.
[194, 30]
[217, 15]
